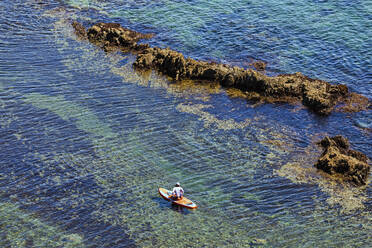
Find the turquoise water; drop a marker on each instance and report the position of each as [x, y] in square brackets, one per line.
[86, 141]
[330, 40]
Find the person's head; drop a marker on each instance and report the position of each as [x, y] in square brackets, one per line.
[178, 184]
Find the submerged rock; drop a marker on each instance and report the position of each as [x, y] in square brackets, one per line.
[339, 160]
[259, 65]
[320, 96]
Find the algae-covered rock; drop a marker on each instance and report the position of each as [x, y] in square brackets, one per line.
[79, 29]
[259, 65]
[339, 160]
[319, 96]
[111, 35]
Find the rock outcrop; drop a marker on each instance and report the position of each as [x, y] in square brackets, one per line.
[113, 36]
[79, 30]
[320, 96]
[339, 160]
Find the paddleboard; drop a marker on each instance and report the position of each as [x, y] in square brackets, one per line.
[184, 202]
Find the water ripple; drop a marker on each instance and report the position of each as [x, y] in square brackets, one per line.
[85, 141]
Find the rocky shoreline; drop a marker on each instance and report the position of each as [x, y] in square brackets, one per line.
[319, 96]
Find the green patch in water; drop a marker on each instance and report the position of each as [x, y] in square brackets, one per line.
[84, 118]
[209, 119]
[21, 229]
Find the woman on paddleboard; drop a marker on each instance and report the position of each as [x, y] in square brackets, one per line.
[177, 192]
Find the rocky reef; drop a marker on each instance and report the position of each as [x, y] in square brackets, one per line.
[111, 36]
[339, 160]
[79, 30]
[319, 96]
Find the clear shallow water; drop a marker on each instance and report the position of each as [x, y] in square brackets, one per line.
[330, 40]
[85, 141]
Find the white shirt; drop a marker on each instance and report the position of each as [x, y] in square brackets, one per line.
[178, 191]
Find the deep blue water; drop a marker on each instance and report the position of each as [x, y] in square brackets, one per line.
[85, 140]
